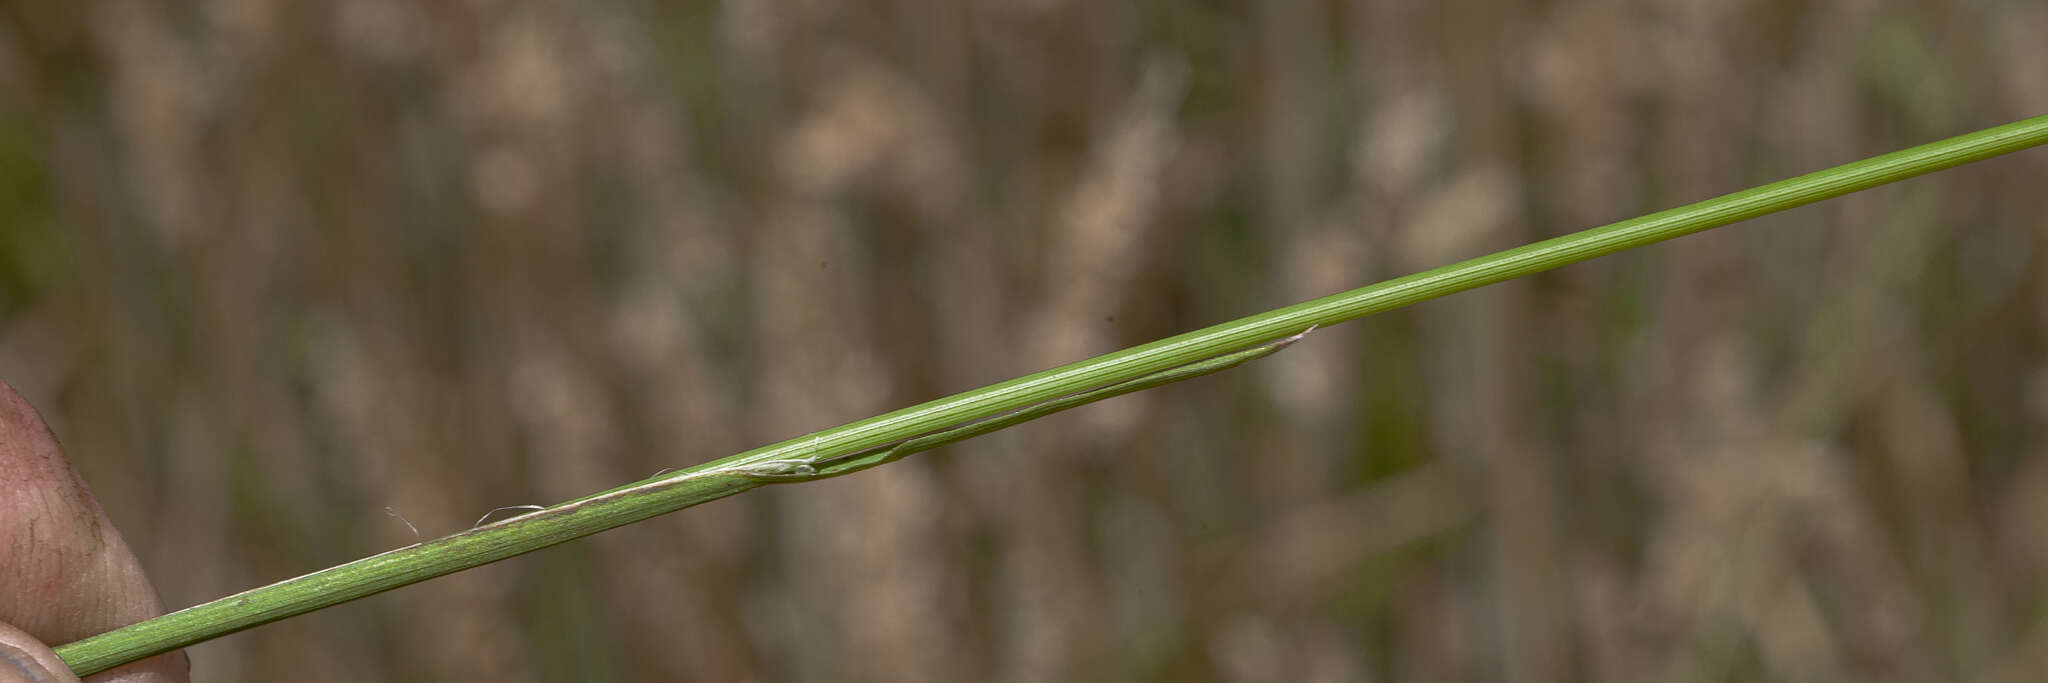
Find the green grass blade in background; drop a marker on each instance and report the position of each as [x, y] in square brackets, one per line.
[741, 472]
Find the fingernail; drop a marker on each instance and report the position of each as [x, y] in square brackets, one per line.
[138, 677]
[20, 665]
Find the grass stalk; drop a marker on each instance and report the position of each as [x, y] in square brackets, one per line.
[887, 437]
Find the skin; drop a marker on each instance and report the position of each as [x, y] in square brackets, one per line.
[65, 573]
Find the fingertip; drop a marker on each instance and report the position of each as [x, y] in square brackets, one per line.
[171, 667]
[69, 573]
[30, 458]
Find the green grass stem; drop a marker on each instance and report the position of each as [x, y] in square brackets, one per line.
[883, 438]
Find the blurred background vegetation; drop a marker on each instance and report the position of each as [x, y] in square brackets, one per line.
[271, 268]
